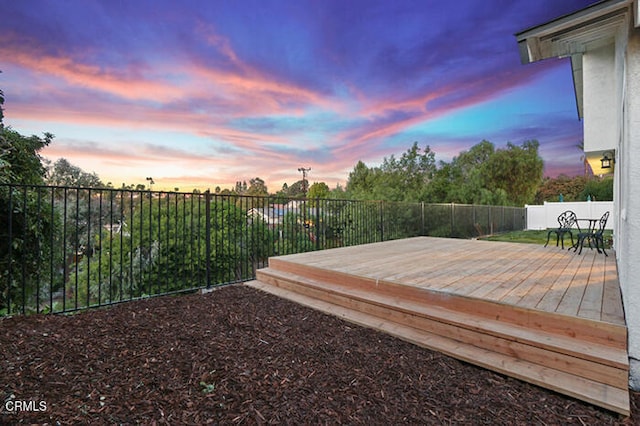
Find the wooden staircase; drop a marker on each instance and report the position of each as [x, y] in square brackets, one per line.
[574, 356]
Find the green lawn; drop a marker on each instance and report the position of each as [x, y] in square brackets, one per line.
[537, 237]
[531, 237]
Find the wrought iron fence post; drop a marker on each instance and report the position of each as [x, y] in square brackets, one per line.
[490, 220]
[10, 249]
[381, 220]
[207, 213]
[317, 223]
[451, 222]
[473, 206]
[523, 215]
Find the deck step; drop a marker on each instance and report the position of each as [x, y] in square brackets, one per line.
[570, 327]
[591, 371]
[411, 311]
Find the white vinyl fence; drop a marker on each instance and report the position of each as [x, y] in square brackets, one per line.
[545, 216]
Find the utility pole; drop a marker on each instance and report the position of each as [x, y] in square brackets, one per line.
[304, 179]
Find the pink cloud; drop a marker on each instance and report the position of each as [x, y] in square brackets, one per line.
[126, 84]
[241, 89]
[204, 100]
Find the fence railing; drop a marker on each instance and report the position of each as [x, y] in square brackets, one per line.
[64, 249]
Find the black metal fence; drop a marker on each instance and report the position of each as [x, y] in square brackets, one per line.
[64, 249]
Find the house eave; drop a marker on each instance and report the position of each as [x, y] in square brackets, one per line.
[573, 34]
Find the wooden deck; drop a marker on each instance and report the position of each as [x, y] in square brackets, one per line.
[543, 315]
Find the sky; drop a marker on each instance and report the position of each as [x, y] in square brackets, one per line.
[204, 93]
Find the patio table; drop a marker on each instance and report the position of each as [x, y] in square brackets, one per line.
[589, 234]
[589, 229]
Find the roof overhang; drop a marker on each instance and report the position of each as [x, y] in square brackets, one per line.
[572, 35]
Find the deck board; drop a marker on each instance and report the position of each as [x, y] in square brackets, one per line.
[611, 298]
[572, 298]
[591, 305]
[529, 283]
[531, 276]
[554, 294]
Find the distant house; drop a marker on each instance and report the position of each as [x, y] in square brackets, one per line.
[272, 215]
[603, 43]
[120, 227]
[295, 205]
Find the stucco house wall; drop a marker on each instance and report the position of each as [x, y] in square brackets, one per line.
[628, 168]
[603, 42]
[600, 103]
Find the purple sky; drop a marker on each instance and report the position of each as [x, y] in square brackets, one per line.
[205, 93]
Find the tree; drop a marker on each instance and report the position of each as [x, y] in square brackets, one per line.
[598, 189]
[1, 109]
[20, 209]
[438, 189]
[21, 162]
[397, 179]
[466, 175]
[168, 233]
[296, 189]
[319, 190]
[241, 187]
[481, 175]
[516, 170]
[257, 187]
[63, 173]
[571, 189]
[361, 182]
[405, 179]
[338, 192]
[4, 146]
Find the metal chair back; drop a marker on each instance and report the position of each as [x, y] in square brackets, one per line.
[567, 219]
[602, 223]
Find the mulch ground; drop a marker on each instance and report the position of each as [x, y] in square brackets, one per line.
[241, 356]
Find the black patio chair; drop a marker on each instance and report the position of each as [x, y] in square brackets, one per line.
[595, 234]
[566, 220]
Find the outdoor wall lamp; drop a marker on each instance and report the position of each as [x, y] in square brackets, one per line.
[607, 160]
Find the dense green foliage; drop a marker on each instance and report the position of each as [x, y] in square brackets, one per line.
[319, 190]
[24, 255]
[167, 233]
[598, 189]
[21, 162]
[482, 175]
[63, 173]
[397, 179]
[578, 188]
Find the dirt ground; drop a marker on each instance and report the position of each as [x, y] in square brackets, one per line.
[241, 356]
